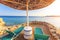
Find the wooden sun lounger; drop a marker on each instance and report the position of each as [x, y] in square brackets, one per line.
[39, 35]
[13, 34]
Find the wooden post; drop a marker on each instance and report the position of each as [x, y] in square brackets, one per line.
[27, 13]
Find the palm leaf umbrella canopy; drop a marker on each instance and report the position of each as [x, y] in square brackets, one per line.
[21, 4]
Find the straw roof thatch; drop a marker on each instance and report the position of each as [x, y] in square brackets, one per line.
[21, 4]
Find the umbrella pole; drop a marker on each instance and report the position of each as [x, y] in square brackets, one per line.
[27, 12]
[27, 29]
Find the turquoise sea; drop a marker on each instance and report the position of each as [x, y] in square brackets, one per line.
[14, 20]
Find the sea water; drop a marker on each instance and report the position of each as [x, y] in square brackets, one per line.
[14, 20]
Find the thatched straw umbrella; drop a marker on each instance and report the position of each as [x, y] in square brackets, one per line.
[21, 4]
[26, 4]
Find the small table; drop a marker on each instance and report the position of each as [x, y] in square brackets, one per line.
[21, 36]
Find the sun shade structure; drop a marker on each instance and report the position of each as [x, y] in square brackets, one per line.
[21, 4]
[26, 5]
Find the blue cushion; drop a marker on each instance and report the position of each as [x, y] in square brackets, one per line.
[39, 35]
[8, 37]
[17, 31]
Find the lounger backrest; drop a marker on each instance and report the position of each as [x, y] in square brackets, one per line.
[38, 31]
[17, 31]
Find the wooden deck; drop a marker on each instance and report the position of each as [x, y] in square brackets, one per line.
[43, 25]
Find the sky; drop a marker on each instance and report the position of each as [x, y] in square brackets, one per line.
[53, 9]
[55, 21]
